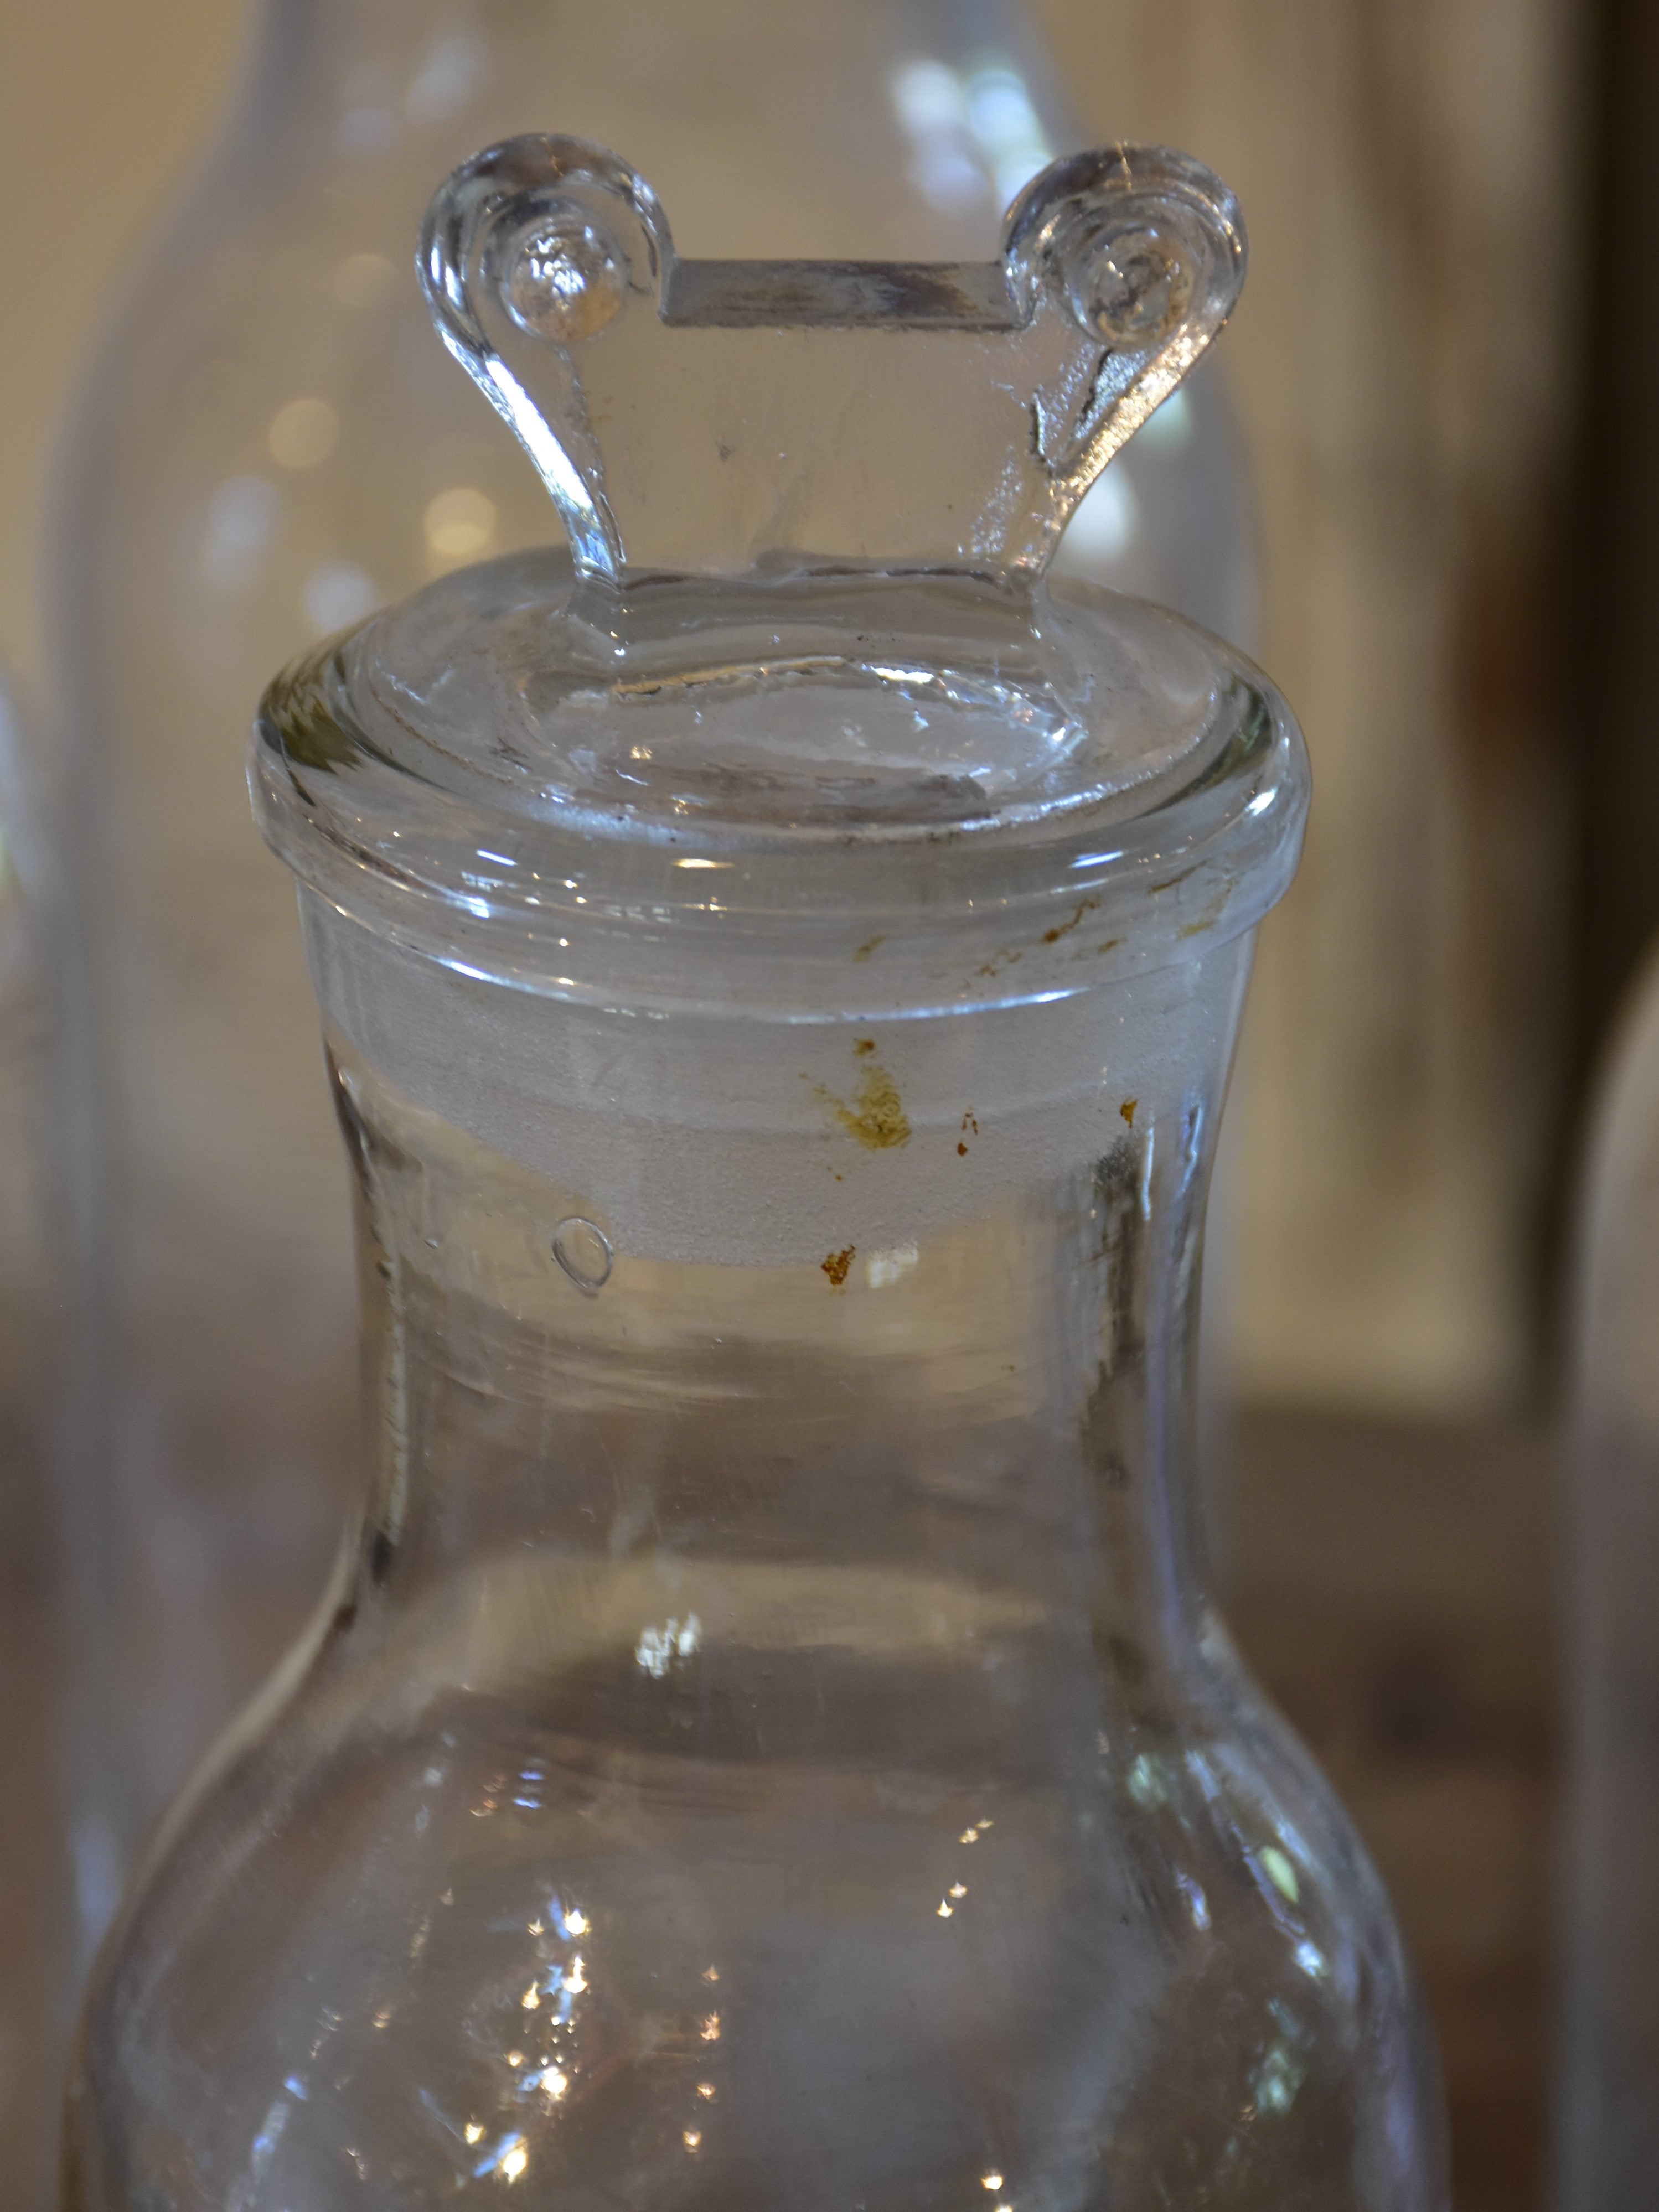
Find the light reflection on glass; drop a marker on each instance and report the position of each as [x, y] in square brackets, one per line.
[1005, 124]
[932, 102]
[303, 432]
[338, 593]
[657, 1648]
[242, 517]
[1169, 427]
[365, 131]
[1197, 1903]
[453, 70]
[971, 136]
[929, 97]
[1199, 1767]
[1144, 1783]
[884, 1268]
[1280, 1871]
[508, 2157]
[460, 523]
[269, 2136]
[1278, 2079]
[1107, 521]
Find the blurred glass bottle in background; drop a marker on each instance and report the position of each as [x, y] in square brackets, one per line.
[1609, 2140]
[270, 445]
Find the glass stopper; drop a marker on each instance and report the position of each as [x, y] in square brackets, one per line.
[564, 282]
[730, 416]
[1133, 289]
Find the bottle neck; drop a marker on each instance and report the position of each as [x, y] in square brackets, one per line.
[627, 1398]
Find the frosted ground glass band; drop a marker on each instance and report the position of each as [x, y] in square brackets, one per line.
[692, 1137]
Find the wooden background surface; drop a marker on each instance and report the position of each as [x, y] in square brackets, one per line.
[1393, 1588]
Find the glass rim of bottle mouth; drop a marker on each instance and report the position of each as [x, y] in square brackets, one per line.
[660, 918]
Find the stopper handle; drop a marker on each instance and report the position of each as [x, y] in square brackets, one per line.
[726, 416]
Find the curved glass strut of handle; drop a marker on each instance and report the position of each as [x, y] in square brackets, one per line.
[728, 417]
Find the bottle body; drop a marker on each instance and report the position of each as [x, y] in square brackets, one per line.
[769, 1736]
[1607, 2149]
[272, 444]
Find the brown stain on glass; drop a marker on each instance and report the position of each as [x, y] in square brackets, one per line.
[1065, 928]
[875, 1114]
[836, 1265]
[1211, 915]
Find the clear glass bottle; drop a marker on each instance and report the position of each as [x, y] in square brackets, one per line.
[1607, 2146]
[268, 449]
[768, 1738]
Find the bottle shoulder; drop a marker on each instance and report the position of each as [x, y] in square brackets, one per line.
[477, 1939]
